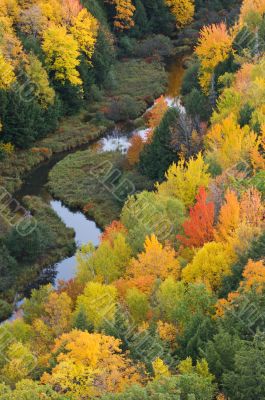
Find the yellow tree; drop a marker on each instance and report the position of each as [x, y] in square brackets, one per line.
[229, 144]
[62, 54]
[85, 29]
[58, 312]
[38, 75]
[251, 7]
[98, 302]
[210, 264]
[53, 11]
[124, 14]
[88, 365]
[160, 369]
[9, 8]
[42, 341]
[258, 153]
[155, 260]
[214, 46]
[20, 363]
[7, 75]
[183, 11]
[184, 179]
[167, 332]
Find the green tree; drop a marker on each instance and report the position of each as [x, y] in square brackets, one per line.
[34, 307]
[30, 247]
[22, 120]
[157, 156]
[27, 389]
[147, 213]
[106, 263]
[98, 302]
[220, 353]
[185, 387]
[247, 381]
[138, 304]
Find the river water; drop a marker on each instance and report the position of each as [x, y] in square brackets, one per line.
[85, 229]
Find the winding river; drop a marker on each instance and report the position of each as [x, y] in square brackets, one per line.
[85, 229]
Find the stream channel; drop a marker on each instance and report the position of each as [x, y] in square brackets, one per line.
[85, 229]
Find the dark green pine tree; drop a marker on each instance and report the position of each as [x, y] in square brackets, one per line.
[247, 381]
[120, 328]
[142, 25]
[22, 120]
[160, 18]
[103, 58]
[220, 353]
[81, 321]
[157, 156]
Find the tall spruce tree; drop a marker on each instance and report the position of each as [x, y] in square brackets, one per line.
[157, 156]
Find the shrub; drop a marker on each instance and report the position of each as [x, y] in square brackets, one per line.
[30, 247]
[158, 45]
[124, 108]
[5, 310]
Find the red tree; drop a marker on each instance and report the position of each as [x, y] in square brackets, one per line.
[199, 227]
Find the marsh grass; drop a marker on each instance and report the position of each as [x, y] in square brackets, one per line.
[96, 183]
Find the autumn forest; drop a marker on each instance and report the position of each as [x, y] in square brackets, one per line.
[132, 188]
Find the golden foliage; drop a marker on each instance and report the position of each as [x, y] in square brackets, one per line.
[89, 365]
[155, 260]
[229, 218]
[210, 264]
[183, 11]
[184, 179]
[62, 54]
[214, 46]
[160, 369]
[230, 144]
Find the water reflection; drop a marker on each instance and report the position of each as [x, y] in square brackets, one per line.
[85, 231]
[175, 76]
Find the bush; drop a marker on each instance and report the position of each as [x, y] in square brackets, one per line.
[95, 94]
[158, 45]
[190, 79]
[127, 46]
[125, 108]
[30, 247]
[197, 105]
[7, 266]
[5, 310]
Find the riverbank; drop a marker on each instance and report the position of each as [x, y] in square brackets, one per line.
[98, 183]
[143, 82]
[51, 242]
[136, 85]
